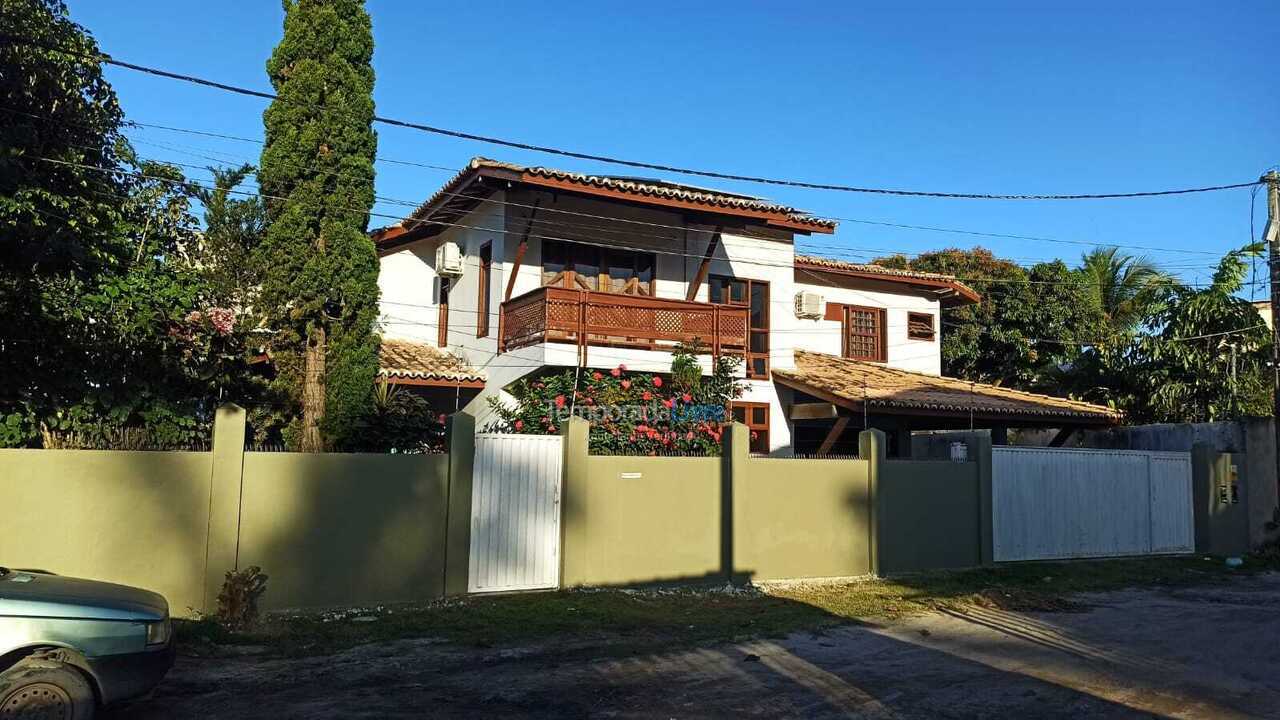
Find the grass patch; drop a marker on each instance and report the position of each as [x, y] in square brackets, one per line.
[635, 621]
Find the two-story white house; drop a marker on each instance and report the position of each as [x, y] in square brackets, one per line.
[510, 270]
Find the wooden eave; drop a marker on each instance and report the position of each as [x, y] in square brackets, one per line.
[947, 292]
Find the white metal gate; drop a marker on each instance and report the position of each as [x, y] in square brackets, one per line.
[515, 513]
[1050, 503]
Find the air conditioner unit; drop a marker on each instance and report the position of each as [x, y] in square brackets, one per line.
[808, 305]
[448, 259]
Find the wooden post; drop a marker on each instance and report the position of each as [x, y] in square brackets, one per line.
[524, 245]
[704, 267]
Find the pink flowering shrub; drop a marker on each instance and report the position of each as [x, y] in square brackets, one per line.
[630, 412]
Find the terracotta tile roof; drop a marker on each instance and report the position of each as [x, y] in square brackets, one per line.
[639, 188]
[901, 389]
[959, 291]
[418, 361]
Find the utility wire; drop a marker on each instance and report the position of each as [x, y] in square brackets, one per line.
[107, 59]
[226, 157]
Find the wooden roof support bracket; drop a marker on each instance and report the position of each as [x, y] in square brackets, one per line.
[524, 245]
[833, 435]
[705, 267]
[1062, 436]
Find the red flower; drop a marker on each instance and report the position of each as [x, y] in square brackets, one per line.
[667, 403]
[597, 376]
[589, 401]
[616, 371]
[647, 395]
[689, 435]
[686, 397]
[519, 425]
[559, 401]
[755, 435]
[626, 384]
[552, 428]
[442, 418]
[657, 381]
[623, 368]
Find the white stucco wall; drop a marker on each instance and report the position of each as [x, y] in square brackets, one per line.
[924, 356]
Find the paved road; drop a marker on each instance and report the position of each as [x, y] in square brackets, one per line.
[1198, 653]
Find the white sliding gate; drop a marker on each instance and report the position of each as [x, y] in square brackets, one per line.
[1050, 503]
[515, 513]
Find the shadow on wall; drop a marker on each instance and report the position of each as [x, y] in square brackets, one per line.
[334, 529]
[132, 517]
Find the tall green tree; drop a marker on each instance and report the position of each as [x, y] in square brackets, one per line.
[1127, 289]
[1029, 323]
[1206, 353]
[59, 211]
[319, 288]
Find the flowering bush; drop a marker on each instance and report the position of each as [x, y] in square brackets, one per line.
[630, 412]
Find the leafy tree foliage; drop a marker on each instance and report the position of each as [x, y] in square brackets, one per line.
[1126, 288]
[111, 330]
[319, 269]
[630, 413]
[1015, 335]
[1115, 331]
[1206, 354]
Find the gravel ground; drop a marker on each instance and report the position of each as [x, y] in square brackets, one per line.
[1209, 652]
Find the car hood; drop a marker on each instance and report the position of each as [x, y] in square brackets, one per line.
[33, 594]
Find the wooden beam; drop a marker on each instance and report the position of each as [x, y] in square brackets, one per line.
[524, 245]
[1062, 436]
[813, 411]
[705, 267]
[833, 434]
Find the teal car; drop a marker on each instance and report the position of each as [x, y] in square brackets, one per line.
[69, 646]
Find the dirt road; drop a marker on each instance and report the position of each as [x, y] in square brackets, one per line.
[1209, 652]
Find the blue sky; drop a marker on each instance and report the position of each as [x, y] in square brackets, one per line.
[978, 97]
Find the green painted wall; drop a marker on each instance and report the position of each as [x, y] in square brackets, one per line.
[802, 519]
[138, 518]
[929, 516]
[663, 526]
[1221, 496]
[331, 529]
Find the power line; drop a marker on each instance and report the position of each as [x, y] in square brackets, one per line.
[107, 59]
[226, 157]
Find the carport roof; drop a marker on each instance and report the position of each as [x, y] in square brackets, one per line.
[850, 383]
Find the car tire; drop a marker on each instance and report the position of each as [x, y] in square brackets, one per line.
[43, 689]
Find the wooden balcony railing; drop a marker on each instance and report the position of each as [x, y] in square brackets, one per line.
[588, 318]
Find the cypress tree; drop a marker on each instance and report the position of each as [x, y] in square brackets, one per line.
[319, 267]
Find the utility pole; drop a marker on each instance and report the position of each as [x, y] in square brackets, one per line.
[1272, 236]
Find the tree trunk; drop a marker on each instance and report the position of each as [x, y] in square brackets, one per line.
[313, 392]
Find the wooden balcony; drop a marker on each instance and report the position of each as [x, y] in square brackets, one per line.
[589, 318]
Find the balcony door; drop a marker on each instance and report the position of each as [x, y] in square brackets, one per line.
[591, 267]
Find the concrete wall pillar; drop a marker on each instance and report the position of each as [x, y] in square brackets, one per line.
[980, 453]
[461, 432]
[574, 486]
[735, 449]
[222, 539]
[871, 447]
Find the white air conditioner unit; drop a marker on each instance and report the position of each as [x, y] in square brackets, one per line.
[808, 305]
[448, 259]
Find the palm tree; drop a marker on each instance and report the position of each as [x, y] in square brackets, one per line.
[1128, 288]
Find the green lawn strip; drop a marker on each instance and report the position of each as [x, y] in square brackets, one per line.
[632, 620]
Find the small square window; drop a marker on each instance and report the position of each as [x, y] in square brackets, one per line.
[920, 326]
